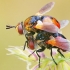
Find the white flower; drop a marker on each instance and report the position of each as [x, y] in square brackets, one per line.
[46, 62]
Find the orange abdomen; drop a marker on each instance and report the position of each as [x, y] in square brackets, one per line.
[56, 22]
[52, 42]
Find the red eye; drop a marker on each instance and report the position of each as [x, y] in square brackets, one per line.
[20, 28]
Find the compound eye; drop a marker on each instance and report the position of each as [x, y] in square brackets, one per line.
[19, 28]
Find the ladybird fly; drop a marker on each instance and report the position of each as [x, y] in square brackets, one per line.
[48, 26]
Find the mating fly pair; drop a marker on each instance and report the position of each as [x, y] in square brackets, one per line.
[47, 29]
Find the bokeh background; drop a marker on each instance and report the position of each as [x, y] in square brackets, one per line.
[15, 11]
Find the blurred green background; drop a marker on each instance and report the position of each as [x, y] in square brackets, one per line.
[15, 11]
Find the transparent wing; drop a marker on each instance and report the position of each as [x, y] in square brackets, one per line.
[47, 26]
[63, 43]
[45, 8]
[63, 23]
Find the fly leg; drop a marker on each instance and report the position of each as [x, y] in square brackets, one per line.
[60, 53]
[40, 50]
[52, 57]
[26, 43]
[32, 53]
